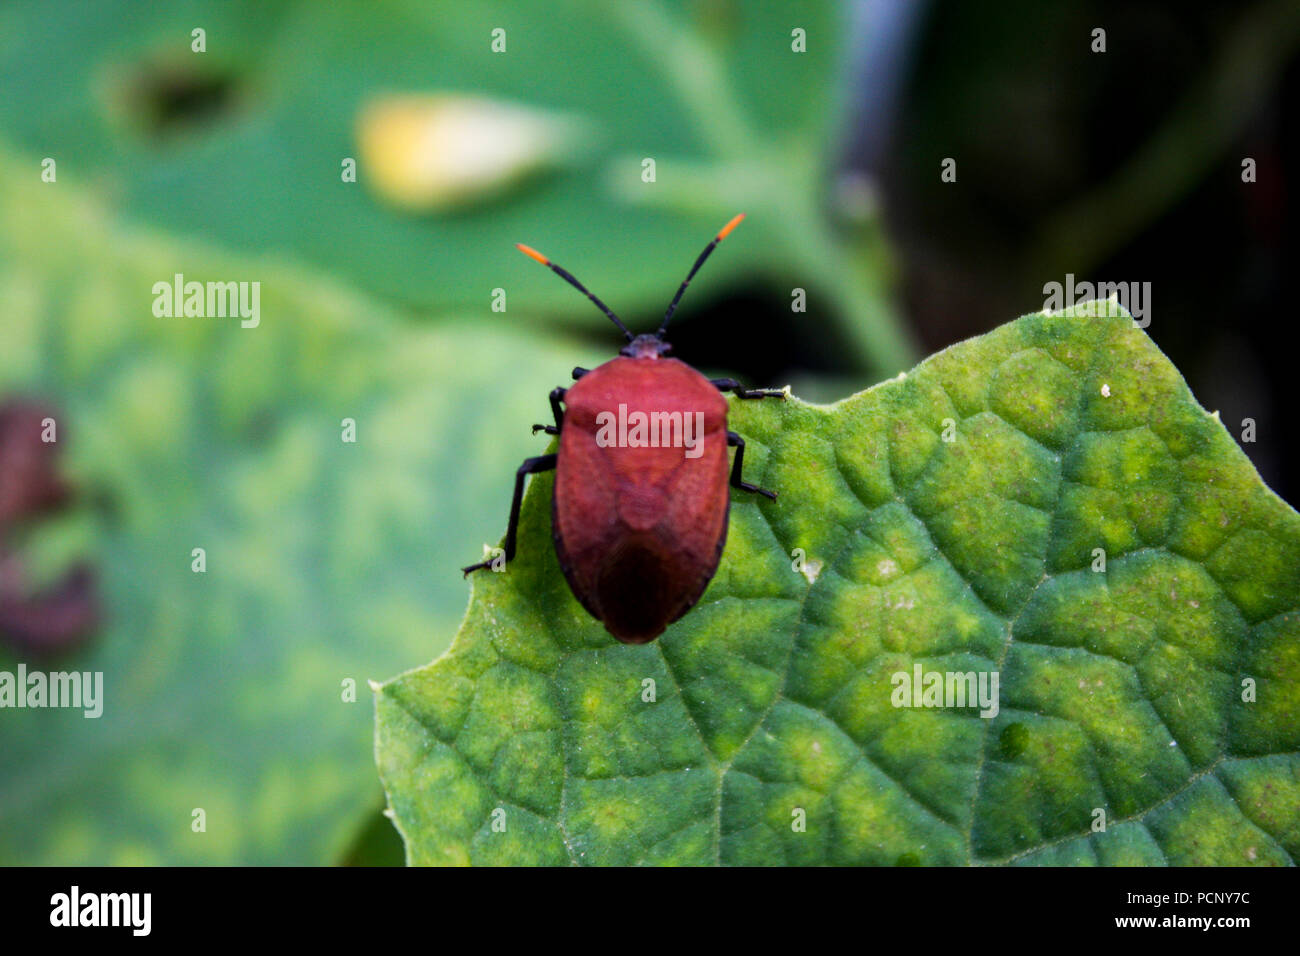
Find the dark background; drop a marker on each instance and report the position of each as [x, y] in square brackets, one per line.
[1122, 166]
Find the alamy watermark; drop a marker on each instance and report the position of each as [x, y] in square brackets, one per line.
[128, 910]
[954, 689]
[1134, 297]
[213, 300]
[59, 689]
[651, 430]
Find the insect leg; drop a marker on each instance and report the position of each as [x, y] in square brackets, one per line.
[579, 372]
[557, 396]
[736, 481]
[531, 466]
[731, 385]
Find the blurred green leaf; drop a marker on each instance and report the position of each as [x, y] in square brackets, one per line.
[326, 561]
[273, 105]
[1120, 690]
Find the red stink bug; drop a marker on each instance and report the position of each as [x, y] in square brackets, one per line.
[639, 512]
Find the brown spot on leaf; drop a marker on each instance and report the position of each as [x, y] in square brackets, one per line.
[28, 482]
[49, 621]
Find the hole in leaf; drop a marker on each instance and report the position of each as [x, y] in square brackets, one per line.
[166, 96]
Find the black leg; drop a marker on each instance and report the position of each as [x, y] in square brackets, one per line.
[579, 372]
[557, 396]
[531, 466]
[736, 481]
[731, 385]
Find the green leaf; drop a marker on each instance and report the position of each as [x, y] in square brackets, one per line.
[325, 561]
[283, 86]
[1121, 691]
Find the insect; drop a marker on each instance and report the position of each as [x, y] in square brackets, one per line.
[640, 505]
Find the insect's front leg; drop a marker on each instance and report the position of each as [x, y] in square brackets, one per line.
[736, 480]
[557, 396]
[731, 385]
[531, 466]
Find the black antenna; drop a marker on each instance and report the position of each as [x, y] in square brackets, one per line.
[696, 268]
[534, 254]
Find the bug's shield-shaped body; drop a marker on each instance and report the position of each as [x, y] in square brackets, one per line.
[639, 530]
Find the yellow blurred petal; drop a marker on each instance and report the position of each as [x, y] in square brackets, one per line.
[427, 152]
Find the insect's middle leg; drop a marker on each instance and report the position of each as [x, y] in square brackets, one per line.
[531, 466]
[736, 466]
[731, 385]
[557, 396]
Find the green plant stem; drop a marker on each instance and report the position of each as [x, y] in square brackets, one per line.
[876, 340]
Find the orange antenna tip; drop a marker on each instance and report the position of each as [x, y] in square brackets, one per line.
[532, 253]
[726, 230]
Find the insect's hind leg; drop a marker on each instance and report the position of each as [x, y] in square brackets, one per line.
[557, 396]
[531, 466]
[736, 467]
[731, 385]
